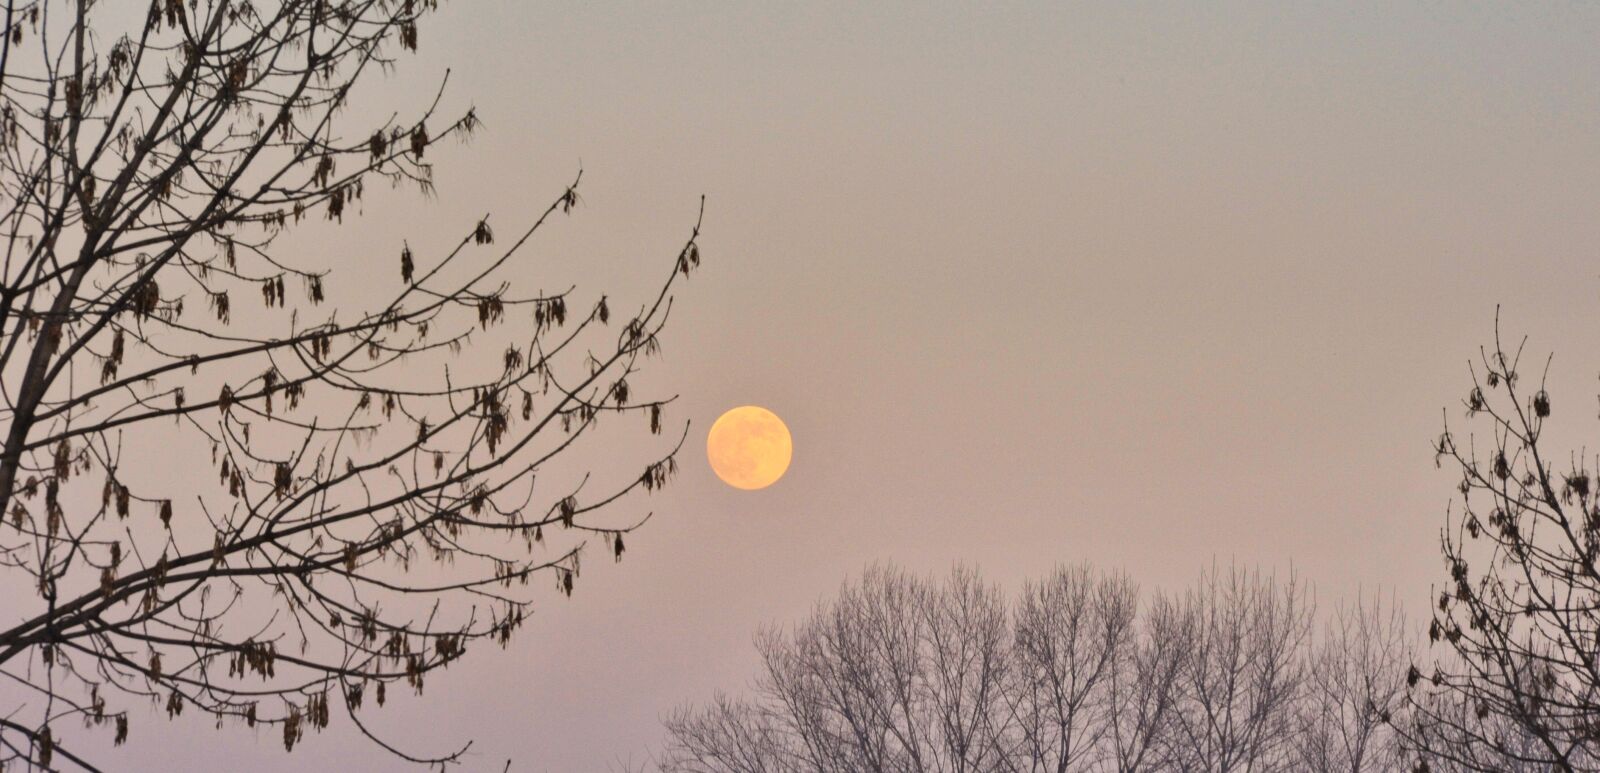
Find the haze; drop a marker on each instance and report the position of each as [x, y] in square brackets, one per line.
[1142, 284]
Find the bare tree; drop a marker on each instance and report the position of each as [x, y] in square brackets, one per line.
[1516, 684]
[269, 511]
[1355, 690]
[1445, 734]
[738, 736]
[966, 653]
[1073, 631]
[1082, 677]
[1144, 688]
[1242, 674]
[897, 674]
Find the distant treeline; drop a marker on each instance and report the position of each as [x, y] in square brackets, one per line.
[1081, 672]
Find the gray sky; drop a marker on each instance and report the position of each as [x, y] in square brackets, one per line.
[1141, 284]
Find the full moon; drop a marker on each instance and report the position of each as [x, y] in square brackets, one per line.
[749, 447]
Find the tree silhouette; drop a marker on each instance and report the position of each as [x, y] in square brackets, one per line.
[271, 511]
[906, 674]
[1515, 685]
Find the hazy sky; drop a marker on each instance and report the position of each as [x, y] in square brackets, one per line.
[1141, 284]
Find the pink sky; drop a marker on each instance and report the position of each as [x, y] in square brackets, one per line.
[1032, 284]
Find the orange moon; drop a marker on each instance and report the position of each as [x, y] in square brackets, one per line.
[749, 447]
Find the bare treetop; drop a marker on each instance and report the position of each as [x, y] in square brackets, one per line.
[901, 673]
[1514, 684]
